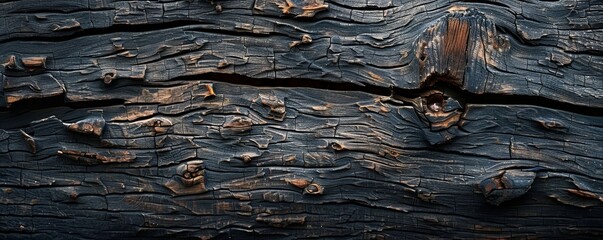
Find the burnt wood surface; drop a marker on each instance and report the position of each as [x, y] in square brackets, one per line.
[295, 119]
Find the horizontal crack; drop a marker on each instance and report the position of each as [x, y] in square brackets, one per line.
[460, 95]
[467, 97]
[26, 105]
[364, 8]
[288, 83]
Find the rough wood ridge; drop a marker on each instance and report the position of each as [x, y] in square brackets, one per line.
[290, 119]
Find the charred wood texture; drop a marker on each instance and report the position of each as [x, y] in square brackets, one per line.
[293, 119]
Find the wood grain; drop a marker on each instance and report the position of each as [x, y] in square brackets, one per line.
[291, 119]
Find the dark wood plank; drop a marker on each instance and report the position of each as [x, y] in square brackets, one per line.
[547, 50]
[293, 119]
[336, 164]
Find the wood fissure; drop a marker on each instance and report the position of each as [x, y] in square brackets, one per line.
[396, 93]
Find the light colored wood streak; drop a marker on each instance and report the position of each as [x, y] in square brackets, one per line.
[454, 49]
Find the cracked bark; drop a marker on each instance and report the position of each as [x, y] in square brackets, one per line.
[301, 119]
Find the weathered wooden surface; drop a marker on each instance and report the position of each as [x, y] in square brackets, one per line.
[301, 119]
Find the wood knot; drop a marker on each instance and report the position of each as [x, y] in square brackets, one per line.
[189, 179]
[435, 102]
[552, 124]
[314, 189]
[108, 76]
[440, 114]
[246, 158]
[459, 46]
[509, 185]
[337, 146]
[192, 173]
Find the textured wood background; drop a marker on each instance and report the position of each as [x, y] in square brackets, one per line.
[293, 119]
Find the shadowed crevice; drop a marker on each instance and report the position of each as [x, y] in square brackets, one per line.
[451, 90]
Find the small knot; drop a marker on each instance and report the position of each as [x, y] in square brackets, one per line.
[435, 102]
[314, 189]
[109, 76]
[189, 179]
[337, 146]
[246, 158]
